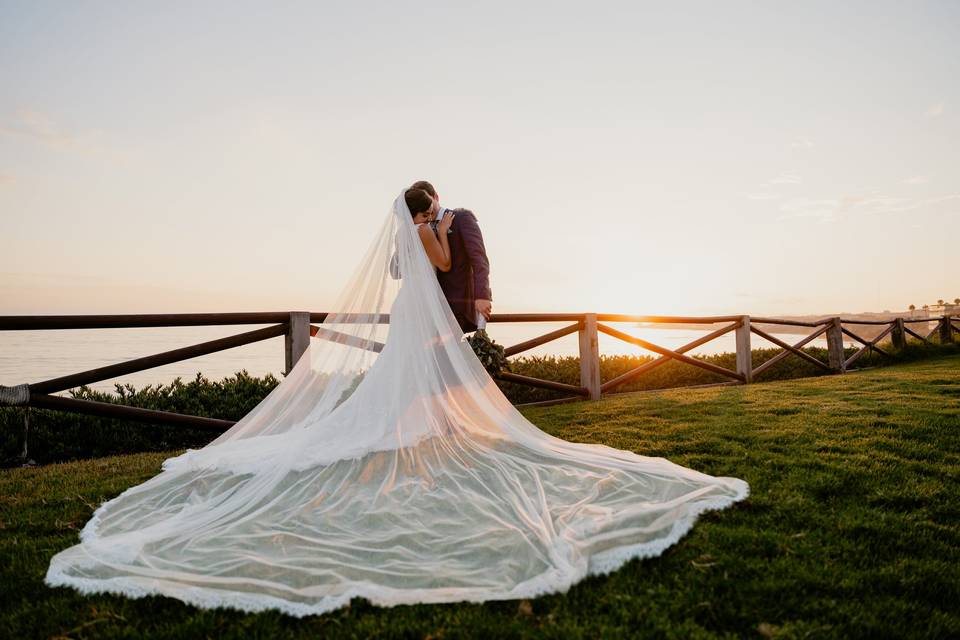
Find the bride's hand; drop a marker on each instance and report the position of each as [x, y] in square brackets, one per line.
[445, 223]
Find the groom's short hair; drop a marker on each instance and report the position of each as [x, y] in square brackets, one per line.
[426, 186]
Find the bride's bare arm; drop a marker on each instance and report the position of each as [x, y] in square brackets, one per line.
[437, 250]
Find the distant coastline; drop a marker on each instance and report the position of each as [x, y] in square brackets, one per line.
[866, 331]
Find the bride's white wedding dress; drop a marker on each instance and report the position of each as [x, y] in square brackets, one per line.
[386, 465]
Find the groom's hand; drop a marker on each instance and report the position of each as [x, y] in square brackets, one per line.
[485, 307]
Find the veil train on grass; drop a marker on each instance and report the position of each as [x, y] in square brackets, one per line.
[387, 465]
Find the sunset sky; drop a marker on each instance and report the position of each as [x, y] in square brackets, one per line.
[661, 158]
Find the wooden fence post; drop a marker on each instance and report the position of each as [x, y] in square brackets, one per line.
[590, 356]
[744, 352]
[946, 334]
[835, 346]
[898, 335]
[297, 339]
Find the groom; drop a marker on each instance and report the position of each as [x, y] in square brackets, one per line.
[467, 284]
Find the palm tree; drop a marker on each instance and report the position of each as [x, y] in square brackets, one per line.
[956, 301]
[940, 302]
[926, 307]
[913, 307]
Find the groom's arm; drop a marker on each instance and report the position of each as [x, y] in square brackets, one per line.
[477, 254]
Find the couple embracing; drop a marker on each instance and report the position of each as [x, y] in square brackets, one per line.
[454, 244]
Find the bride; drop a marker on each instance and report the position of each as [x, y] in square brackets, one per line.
[387, 465]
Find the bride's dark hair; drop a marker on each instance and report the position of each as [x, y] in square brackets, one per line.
[418, 200]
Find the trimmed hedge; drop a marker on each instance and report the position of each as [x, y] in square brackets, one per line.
[54, 436]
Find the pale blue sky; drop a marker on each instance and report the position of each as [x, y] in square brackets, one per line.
[762, 157]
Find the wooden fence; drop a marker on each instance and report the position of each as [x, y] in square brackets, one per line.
[298, 329]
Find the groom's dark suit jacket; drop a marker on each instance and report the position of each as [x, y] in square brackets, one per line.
[469, 276]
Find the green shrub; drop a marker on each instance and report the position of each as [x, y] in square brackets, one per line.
[679, 374]
[54, 436]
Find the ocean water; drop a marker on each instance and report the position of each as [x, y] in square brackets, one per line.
[33, 356]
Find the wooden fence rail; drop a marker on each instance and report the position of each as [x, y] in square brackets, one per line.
[297, 328]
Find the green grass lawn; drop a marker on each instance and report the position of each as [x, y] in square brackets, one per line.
[852, 528]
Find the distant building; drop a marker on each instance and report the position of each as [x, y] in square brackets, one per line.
[943, 309]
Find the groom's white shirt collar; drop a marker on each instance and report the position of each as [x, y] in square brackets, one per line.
[440, 211]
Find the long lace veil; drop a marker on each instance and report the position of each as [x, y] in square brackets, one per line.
[387, 465]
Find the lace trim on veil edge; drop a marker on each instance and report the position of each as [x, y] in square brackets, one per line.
[546, 583]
